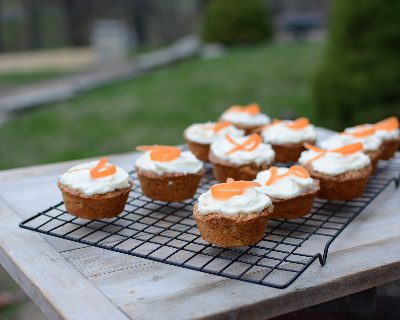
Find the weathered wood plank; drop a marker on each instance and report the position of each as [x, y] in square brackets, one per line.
[148, 290]
[56, 286]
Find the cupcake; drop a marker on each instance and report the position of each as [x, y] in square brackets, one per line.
[232, 214]
[240, 158]
[388, 131]
[288, 137]
[248, 118]
[372, 145]
[168, 174]
[199, 136]
[291, 190]
[95, 190]
[342, 173]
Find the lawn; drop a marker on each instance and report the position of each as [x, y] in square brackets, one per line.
[21, 78]
[158, 106]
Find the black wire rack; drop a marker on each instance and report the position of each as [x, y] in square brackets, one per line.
[167, 232]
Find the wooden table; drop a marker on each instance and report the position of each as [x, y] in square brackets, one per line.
[73, 281]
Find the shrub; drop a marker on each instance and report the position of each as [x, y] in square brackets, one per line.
[358, 80]
[236, 22]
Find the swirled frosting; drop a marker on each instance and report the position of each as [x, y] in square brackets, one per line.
[279, 133]
[334, 163]
[262, 154]
[79, 178]
[245, 119]
[204, 133]
[287, 187]
[251, 201]
[185, 163]
[381, 134]
[370, 143]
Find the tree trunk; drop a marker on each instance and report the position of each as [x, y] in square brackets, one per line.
[33, 24]
[75, 13]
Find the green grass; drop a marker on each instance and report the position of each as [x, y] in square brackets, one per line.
[158, 106]
[25, 77]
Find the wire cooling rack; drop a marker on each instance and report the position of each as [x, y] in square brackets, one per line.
[166, 232]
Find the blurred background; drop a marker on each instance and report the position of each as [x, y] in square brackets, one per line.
[84, 78]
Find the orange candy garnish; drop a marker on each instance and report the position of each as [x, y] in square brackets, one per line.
[250, 144]
[252, 109]
[220, 125]
[345, 150]
[388, 124]
[230, 188]
[297, 171]
[298, 124]
[362, 133]
[161, 153]
[102, 170]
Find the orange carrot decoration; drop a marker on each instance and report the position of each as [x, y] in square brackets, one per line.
[161, 153]
[388, 124]
[230, 188]
[102, 170]
[220, 125]
[297, 171]
[272, 123]
[252, 109]
[312, 147]
[362, 133]
[349, 149]
[345, 150]
[250, 144]
[298, 124]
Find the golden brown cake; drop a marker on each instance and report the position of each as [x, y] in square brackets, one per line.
[240, 158]
[95, 190]
[232, 214]
[167, 174]
[291, 190]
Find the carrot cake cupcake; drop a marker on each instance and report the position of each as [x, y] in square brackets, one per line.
[288, 137]
[342, 173]
[232, 214]
[168, 174]
[248, 118]
[292, 190]
[95, 190]
[388, 131]
[372, 145]
[199, 136]
[240, 158]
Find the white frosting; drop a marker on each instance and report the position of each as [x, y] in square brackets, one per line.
[250, 201]
[284, 188]
[78, 178]
[185, 163]
[279, 133]
[262, 154]
[370, 143]
[334, 163]
[388, 135]
[245, 119]
[381, 134]
[204, 133]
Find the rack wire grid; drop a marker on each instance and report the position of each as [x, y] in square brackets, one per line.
[167, 232]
